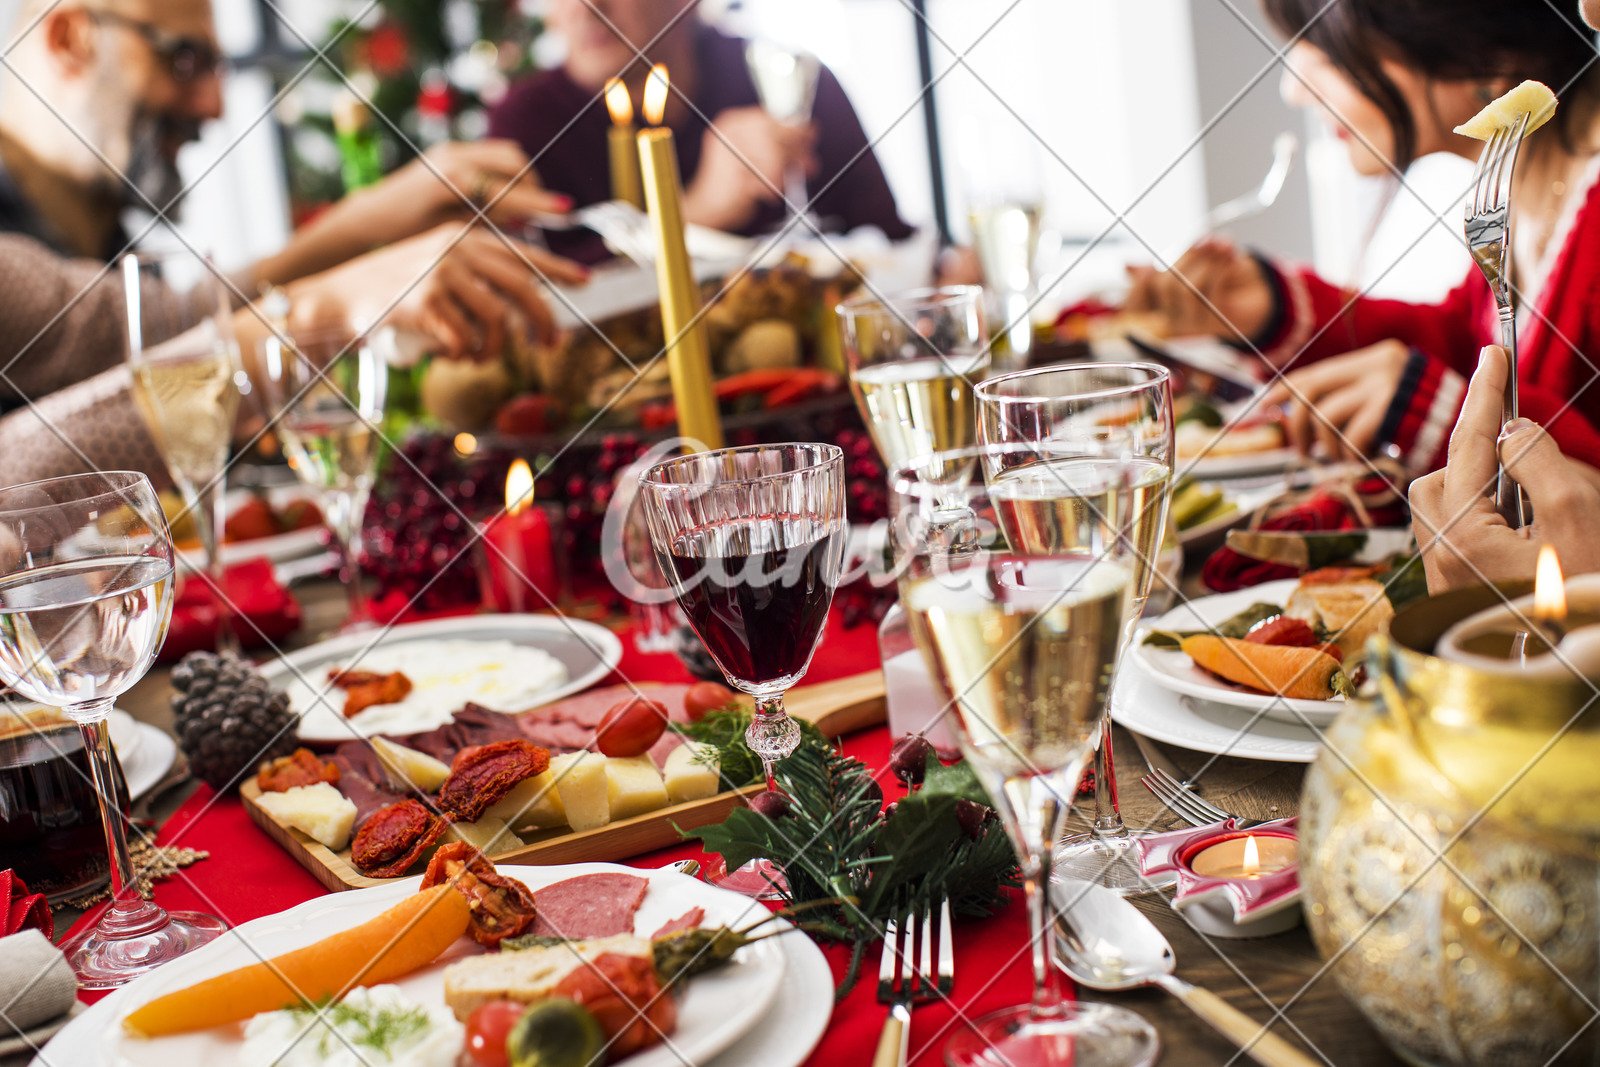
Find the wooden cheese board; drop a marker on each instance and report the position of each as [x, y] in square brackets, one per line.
[836, 708]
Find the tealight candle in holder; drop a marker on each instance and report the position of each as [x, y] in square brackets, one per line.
[1554, 633]
[1231, 882]
[517, 569]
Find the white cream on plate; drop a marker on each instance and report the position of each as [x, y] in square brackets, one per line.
[444, 676]
[376, 1027]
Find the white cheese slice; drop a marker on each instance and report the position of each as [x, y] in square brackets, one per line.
[488, 835]
[319, 811]
[1531, 98]
[581, 784]
[533, 804]
[407, 768]
[691, 772]
[633, 786]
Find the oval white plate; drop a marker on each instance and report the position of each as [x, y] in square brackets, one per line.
[1174, 670]
[1145, 707]
[152, 758]
[589, 652]
[1212, 465]
[715, 1011]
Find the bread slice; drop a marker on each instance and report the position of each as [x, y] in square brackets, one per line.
[1350, 612]
[526, 975]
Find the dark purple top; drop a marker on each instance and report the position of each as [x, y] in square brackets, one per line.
[562, 127]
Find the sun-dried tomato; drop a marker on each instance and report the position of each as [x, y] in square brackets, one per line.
[301, 767]
[1283, 630]
[363, 689]
[480, 777]
[500, 907]
[394, 837]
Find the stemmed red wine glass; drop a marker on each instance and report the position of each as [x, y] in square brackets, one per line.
[752, 541]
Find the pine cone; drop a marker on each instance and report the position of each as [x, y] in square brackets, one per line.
[229, 720]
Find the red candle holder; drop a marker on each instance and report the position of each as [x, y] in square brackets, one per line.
[1215, 891]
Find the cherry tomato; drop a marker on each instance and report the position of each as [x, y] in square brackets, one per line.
[487, 1028]
[630, 728]
[705, 697]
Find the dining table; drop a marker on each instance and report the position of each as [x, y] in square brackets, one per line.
[1280, 980]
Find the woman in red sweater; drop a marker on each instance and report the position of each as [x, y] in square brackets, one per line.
[1393, 78]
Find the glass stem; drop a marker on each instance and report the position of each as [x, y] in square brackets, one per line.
[1107, 819]
[772, 734]
[207, 507]
[344, 518]
[1043, 827]
[129, 914]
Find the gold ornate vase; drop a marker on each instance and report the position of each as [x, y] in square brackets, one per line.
[1449, 852]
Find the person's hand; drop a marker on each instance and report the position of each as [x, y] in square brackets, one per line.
[1464, 539]
[1216, 289]
[1350, 395]
[465, 291]
[743, 161]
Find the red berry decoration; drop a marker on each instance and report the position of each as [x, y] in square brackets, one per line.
[909, 758]
[771, 803]
[972, 817]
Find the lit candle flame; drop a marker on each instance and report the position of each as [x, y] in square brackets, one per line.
[1251, 864]
[655, 94]
[1549, 589]
[519, 487]
[618, 102]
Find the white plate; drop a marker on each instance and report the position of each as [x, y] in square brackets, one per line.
[797, 1021]
[589, 652]
[717, 1009]
[1147, 708]
[278, 548]
[1212, 465]
[1176, 671]
[153, 756]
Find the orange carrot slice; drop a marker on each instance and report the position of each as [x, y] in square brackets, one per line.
[402, 939]
[1300, 673]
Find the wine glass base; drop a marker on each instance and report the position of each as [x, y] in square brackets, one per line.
[107, 962]
[1110, 862]
[758, 879]
[1077, 1035]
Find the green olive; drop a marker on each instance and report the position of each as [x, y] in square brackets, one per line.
[555, 1033]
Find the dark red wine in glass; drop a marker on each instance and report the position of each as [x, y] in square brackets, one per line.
[757, 593]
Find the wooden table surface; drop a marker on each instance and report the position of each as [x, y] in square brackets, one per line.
[1258, 976]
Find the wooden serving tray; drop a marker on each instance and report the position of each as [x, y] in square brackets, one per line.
[836, 708]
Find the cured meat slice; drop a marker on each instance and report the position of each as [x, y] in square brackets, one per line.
[687, 921]
[472, 725]
[569, 724]
[590, 905]
[360, 775]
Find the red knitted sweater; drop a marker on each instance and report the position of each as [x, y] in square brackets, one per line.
[1558, 334]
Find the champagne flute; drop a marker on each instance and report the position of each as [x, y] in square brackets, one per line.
[1024, 648]
[324, 391]
[185, 365]
[752, 541]
[1113, 421]
[786, 84]
[85, 598]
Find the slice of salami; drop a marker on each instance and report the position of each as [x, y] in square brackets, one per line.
[687, 921]
[591, 905]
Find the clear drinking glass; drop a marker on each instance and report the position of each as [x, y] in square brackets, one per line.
[752, 540]
[1093, 417]
[786, 85]
[324, 393]
[85, 598]
[1024, 647]
[914, 358]
[185, 364]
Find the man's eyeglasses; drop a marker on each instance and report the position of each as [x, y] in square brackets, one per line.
[187, 59]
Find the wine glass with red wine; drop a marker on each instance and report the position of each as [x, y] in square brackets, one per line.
[752, 540]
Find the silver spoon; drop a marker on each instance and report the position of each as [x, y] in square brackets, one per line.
[1105, 943]
[1284, 148]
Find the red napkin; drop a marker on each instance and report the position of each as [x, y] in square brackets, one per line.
[21, 910]
[264, 610]
[1321, 510]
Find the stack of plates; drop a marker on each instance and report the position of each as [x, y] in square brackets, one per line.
[1161, 694]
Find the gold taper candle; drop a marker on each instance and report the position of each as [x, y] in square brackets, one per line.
[688, 356]
[624, 152]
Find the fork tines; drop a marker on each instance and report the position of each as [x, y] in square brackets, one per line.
[918, 960]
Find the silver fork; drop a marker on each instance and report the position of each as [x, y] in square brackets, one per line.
[913, 968]
[1488, 227]
[1189, 805]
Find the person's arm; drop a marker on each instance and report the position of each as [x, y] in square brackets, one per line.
[856, 189]
[90, 425]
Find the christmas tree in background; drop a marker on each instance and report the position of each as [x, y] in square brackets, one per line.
[428, 67]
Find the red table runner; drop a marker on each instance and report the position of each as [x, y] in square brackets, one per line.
[249, 875]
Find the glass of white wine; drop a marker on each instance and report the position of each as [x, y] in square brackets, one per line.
[914, 358]
[1103, 432]
[85, 598]
[1024, 648]
[185, 365]
[323, 393]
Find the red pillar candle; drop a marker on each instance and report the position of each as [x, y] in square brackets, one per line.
[520, 566]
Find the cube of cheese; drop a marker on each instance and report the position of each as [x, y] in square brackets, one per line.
[533, 804]
[634, 786]
[488, 835]
[407, 768]
[580, 779]
[691, 772]
[319, 811]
